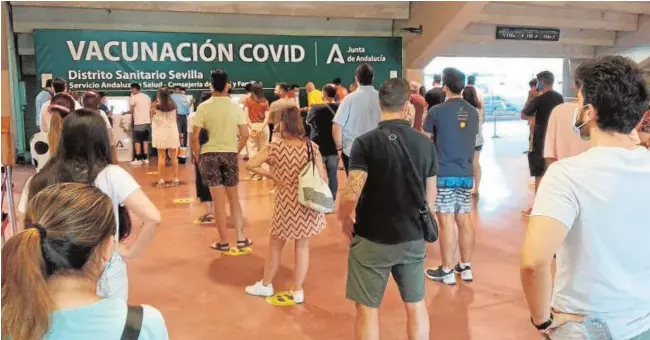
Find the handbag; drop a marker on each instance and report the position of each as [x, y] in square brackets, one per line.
[427, 222]
[313, 192]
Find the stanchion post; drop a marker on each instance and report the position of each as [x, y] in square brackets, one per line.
[10, 198]
[494, 120]
[494, 116]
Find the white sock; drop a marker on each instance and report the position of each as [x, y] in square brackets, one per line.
[464, 265]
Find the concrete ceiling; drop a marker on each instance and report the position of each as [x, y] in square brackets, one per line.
[345, 9]
[451, 28]
[587, 29]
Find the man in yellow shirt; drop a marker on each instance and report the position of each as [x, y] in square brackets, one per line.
[314, 96]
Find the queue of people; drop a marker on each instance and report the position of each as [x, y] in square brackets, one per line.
[76, 208]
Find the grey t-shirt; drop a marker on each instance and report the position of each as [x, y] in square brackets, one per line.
[454, 125]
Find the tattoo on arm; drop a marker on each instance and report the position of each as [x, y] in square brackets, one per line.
[356, 182]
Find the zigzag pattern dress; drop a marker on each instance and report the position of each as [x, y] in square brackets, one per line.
[291, 220]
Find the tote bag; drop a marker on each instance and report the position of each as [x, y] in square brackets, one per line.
[313, 192]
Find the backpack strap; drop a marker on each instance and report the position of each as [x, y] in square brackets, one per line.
[133, 325]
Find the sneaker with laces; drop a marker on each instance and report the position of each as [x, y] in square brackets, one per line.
[136, 162]
[440, 275]
[259, 289]
[298, 296]
[465, 273]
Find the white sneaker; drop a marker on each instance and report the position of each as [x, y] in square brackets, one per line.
[136, 162]
[298, 296]
[465, 273]
[440, 275]
[259, 289]
[146, 161]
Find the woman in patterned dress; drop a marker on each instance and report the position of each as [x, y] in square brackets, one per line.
[291, 220]
[165, 135]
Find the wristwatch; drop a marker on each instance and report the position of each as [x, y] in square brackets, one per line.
[544, 325]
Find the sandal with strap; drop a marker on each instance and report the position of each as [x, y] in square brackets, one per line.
[244, 244]
[220, 246]
[160, 184]
[206, 218]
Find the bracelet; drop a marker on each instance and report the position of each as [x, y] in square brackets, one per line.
[544, 325]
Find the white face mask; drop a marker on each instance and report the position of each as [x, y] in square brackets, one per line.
[577, 125]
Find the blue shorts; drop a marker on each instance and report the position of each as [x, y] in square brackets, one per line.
[454, 195]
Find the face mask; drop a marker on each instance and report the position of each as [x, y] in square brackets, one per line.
[577, 125]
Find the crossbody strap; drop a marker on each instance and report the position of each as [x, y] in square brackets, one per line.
[330, 108]
[133, 325]
[412, 175]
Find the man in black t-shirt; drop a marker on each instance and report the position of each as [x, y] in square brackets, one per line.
[436, 95]
[320, 119]
[385, 232]
[540, 108]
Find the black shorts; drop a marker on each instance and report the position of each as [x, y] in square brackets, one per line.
[536, 163]
[141, 133]
[219, 168]
[202, 191]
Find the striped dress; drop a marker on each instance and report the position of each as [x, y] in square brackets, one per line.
[291, 220]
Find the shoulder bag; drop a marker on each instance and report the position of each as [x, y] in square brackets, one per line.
[313, 192]
[133, 325]
[427, 222]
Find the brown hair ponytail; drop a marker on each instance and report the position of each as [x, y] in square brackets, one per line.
[68, 225]
[26, 301]
[60, 105]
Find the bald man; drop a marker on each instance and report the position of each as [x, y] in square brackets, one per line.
[314, 96]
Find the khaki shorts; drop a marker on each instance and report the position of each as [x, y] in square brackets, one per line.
[370, 264]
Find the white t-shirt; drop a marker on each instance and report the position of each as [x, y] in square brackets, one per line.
[142, 104]
[601, 197]
[118, 184]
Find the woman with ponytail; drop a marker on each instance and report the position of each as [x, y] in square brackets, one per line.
[43, 144]
[50, 271]
[84, 156]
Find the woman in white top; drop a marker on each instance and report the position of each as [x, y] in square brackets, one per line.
[84, 156]
[50, 272]
[164, 133]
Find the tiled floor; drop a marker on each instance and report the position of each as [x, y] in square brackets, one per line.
[201, 293]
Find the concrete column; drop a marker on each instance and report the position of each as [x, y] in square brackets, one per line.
[414, 75]
[568, 78]
[8, 130]
[442, 22]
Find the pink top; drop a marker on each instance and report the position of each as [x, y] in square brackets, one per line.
[561, 142]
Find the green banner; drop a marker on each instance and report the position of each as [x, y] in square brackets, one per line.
[112, 60]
